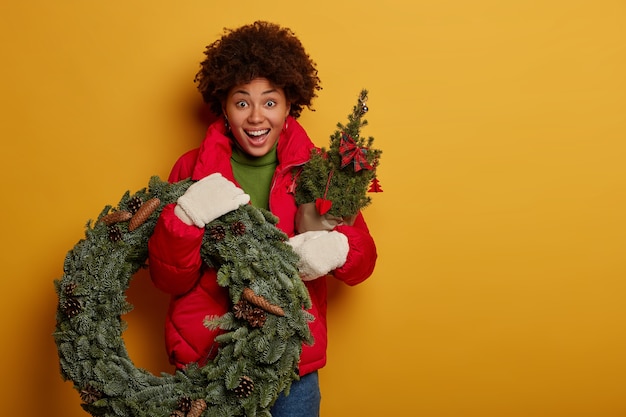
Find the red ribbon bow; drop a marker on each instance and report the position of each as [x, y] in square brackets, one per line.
[350, 152]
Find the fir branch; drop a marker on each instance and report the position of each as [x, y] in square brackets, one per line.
[336, 176]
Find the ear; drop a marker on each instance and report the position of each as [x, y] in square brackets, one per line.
[288, 110]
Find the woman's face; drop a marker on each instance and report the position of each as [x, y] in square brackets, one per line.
[256, 113]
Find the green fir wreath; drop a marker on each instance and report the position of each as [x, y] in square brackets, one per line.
[262, 336]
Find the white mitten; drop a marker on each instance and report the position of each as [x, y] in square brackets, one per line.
[320, 252]
[208, 199]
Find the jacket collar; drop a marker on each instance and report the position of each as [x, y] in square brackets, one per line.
[294, 148]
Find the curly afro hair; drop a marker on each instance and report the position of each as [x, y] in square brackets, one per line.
[258, 50]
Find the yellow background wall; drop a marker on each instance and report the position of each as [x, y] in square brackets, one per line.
[501, 281]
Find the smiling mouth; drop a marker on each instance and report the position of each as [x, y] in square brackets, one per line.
[257, 135]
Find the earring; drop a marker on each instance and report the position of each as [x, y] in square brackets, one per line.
[285, 126]
[226, 124]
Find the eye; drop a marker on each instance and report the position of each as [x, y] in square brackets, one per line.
[241, 104]
[270, 103]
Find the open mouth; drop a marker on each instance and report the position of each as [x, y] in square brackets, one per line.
[257, 135]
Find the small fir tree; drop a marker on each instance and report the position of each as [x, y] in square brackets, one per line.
[337, 179]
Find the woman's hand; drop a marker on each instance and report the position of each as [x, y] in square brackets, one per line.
[208, 199]
[320, 252]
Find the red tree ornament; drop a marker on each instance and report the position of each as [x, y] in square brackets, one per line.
[352, 153]
[322, 205]
[375, 186]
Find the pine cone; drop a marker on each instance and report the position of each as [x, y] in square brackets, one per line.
[72, 307]
[256, 317]
[116, 217]
[134, 204]
[242, 309]
[245, 388]
[184, 404]
[143, 213]
[239, 228]
[260, 301]
[197, 407]
[217, 232]
[115, 234]
[69, 288]
[177, 413]
[90, 395]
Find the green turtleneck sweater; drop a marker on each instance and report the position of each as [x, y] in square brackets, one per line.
[254, 174]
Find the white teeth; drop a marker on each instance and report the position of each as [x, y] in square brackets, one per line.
[257, 132]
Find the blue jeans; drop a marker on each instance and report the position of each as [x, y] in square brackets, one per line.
[303, 399]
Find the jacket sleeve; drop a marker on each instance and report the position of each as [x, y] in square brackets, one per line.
[362, 254]
[174, 253]
[183, 167]
[174, 247]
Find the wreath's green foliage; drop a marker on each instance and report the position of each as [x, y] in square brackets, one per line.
[324, 177]
[97, 272]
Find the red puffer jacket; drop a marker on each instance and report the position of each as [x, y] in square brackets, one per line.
[176, 266]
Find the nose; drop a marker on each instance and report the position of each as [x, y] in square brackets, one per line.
[256, 114]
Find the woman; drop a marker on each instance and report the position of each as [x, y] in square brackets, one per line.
[258, 78]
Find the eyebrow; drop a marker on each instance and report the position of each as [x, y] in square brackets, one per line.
[273, 90]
